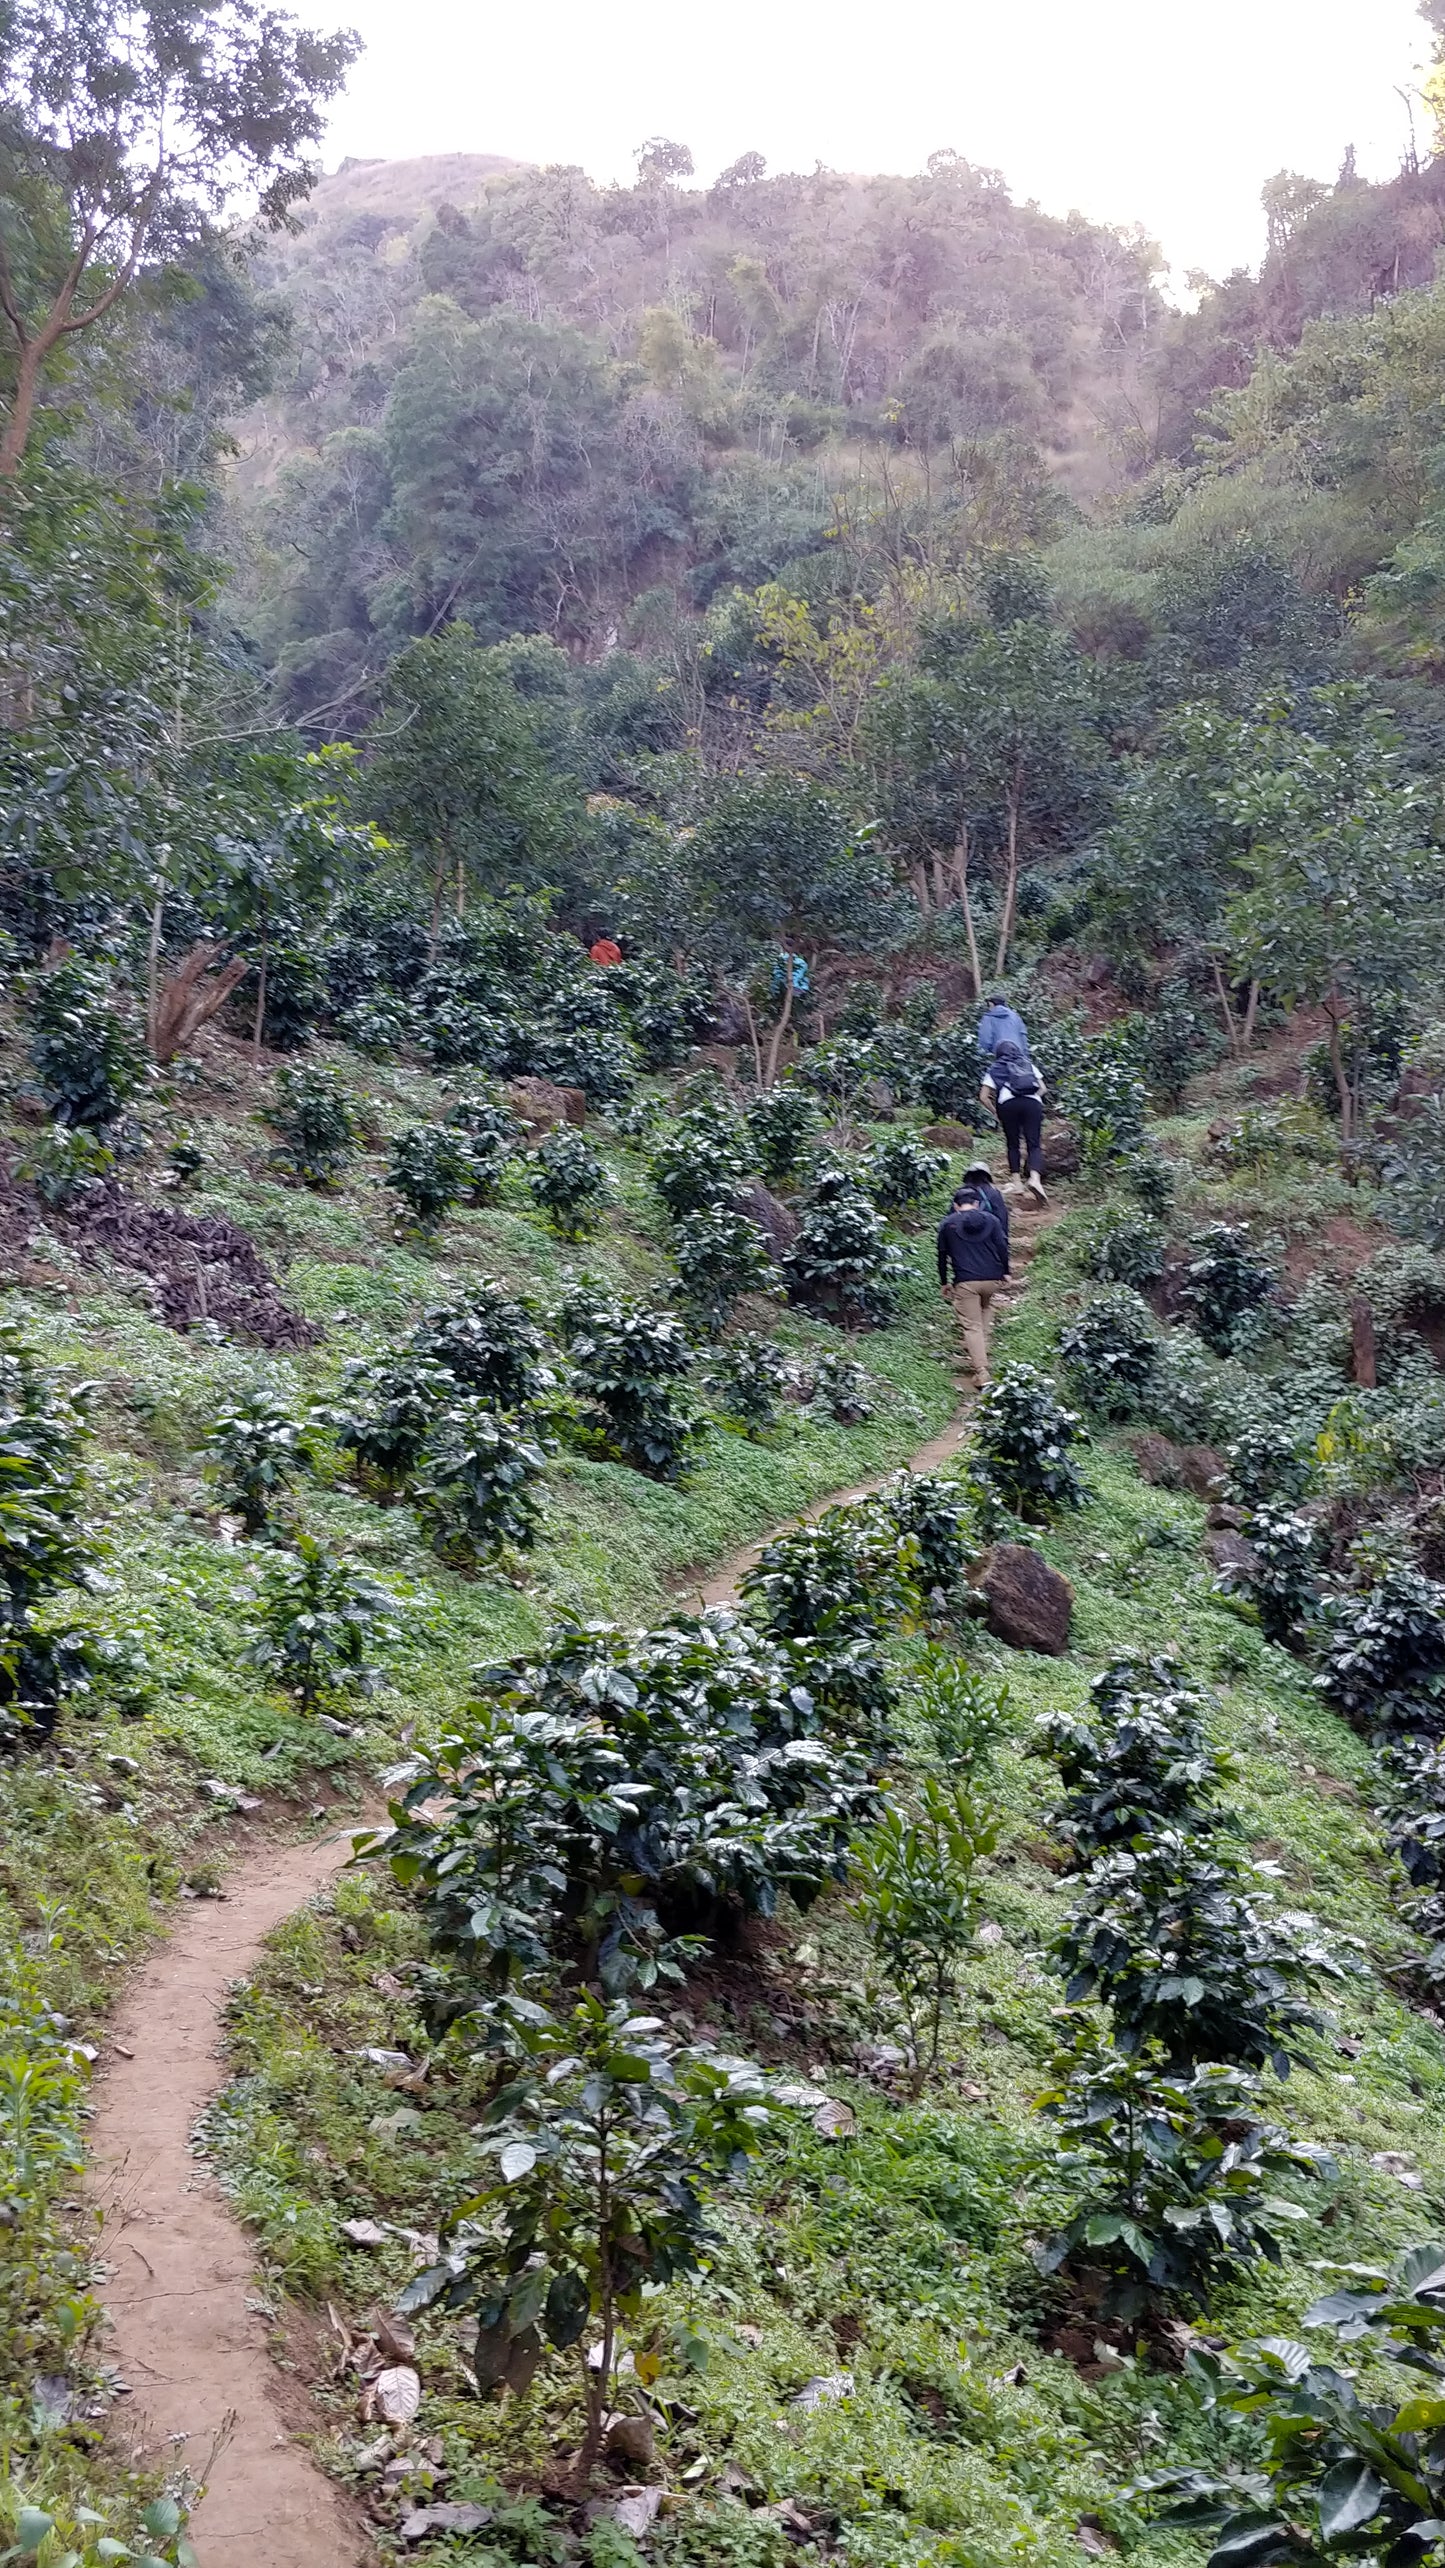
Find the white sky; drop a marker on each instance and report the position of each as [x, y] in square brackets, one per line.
[1144, 111]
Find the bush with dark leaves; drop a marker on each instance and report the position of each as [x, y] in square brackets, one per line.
[901, 1172]
[784, 1122]
[1021, 1445]
[1110, 1354]
[1140, 1762]
[386, 1413]
[721, 1255]
[1281, 1578]
[475, 1486]
[256, 1450]
[841, 1263]
[428, 1166]
[1223, 1280]
[569, 1182]
[87, 1061]
[628, 1362]
[1125, 1248]
[489, 1343]
[313, 1115]
[1385, 1653]
[748, 1378]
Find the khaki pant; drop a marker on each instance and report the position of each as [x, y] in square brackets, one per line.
[973, 1310]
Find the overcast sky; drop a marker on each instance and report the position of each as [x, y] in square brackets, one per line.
[1141, 111]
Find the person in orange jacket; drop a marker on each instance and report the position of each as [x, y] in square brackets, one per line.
[606, 950]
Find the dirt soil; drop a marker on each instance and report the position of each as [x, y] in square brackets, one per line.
[190, 2342]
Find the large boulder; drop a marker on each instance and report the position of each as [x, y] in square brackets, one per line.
[1062, 1156]
[1026, 1603]
[1195, 1468]
[777, 1221]
[541, 1105]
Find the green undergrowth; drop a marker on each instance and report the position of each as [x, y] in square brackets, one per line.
[130, 1807]
[969, 2412]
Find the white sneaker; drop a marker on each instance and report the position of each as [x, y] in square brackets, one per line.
[1013, 1187]
[1036, 1188]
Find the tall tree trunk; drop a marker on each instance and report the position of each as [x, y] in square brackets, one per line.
[1011, 878]
[1250, 1013]
[259, 1019]
[961, 853]
[1231, 1029]
[1341, 1075]
[753, 1039]
[153, 966]
[16, 433]
[438, 894]
[461, 884]
[918, 884]
[775, 1040]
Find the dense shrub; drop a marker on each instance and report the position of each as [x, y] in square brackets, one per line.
[385, 1415]
[256, 1450]
[627, 1362]
[1164, 1935]
[319, 1623]
[1139, 1763]
[1106, 1101]
[1176, 2176]
[1385, 1653]
[1125, 1248]
[64, 1164]
[850, 1574]
[1109, 1354]
[569, 1182]
[1021, 1441]
[475, 1487]
[748, 1377]
[1280, 1578]
[1265, 1460]
[490, 1344]
[312, 1112]
[841, 1263]
[949, 1074]
[783, 1123]
[929, 1513]
[44, 1545]
[841, 1386]
[428, 1166]
[900, 1173]
[603, 1065]
[1223, 1280]
[86, 1060]
[700, 1163]
[622, 1786]
[1151, 1181]
[721, 1255]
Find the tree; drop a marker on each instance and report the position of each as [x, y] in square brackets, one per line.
[457, 767]
[130, 127]
[775, 867]
[1339, 902]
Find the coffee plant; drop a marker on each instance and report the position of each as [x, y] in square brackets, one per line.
[1109, 1355]
[1125, 1248]
[569, 1182]
[87, 1062]
[1177, 2176]
[1151, 1181]
[1385, 1653]
[427, 1166]
[1280, 1579]
[386, 1414]
[967, 1715]
[1165, 1935]
[489, 1344]
[313, 1114]
[783, 1123]
[1222, 1282]
[841, 1264]
[1140, 1764]
[928, 1512]
[66, 1163]
[627, 1363]
[900, 1173]
[721, 1255]
[748, 1376]
[700, 1163]
[475, 1487]
[44, 1544]
[841, 1386]
[1021, 1446]
[319, 1623]
[257, 1448]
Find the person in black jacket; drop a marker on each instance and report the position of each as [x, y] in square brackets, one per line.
[972, 1266]
[978, 1180]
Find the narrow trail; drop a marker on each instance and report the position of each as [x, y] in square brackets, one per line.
[180, 2268]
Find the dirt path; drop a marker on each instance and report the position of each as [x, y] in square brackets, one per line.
[190, 2344]
[180, 2287]
[1027, 1229]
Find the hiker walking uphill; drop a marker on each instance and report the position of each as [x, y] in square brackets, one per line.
[1014, 1089]
[973, 1265]
[1001, 1023]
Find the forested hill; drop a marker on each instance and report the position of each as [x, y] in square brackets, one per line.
[522, 399]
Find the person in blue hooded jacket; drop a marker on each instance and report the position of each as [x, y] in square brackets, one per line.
[1001, 1024]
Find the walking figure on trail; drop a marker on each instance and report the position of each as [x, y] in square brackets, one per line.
[979, 1176]
[1001, 1023]
[973, 1265]
[1015, 1090]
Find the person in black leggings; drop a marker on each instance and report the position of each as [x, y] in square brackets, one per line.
[1015, 1090]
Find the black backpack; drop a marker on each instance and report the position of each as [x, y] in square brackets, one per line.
[1019, 1076]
